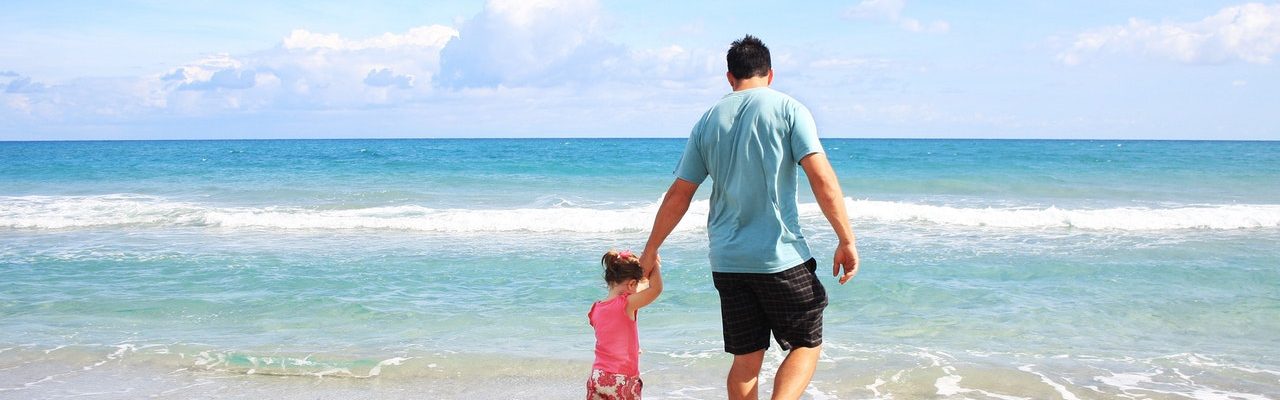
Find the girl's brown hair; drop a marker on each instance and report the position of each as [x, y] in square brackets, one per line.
[620, 267]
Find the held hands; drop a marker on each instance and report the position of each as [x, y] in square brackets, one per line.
[846, 257]
[649, 261]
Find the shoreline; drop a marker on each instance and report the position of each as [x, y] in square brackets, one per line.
[842, 373]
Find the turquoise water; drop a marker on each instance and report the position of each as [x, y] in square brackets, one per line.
[992, 269]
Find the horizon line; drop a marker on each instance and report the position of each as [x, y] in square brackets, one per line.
[617, 138]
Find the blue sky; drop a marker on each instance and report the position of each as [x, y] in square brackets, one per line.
[1172, 69]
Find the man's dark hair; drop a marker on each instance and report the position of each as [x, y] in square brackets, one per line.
[748, 58]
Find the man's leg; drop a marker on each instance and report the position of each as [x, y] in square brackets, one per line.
[744, 376]
[794, 300]
[746, 332]
[795, 372]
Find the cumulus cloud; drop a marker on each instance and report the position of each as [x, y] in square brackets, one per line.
[384, 77]
[891, 11]
[211, 72]
[876, 9]
[521, 42]
[21, 84]
[1248, 32]
[8, 73]
[307, 70]
[529, 46]
[548, 43]
[304, 71]
[216, 72]
[506, 60]
[224, 79]
[845, 63]
[90, 99]
[334, 70]
[914, 25]
[423, 36]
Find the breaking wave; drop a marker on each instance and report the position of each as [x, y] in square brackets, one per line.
[128, 210]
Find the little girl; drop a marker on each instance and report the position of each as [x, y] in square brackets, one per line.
[616, 372]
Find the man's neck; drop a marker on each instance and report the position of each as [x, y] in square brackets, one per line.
[751, 83]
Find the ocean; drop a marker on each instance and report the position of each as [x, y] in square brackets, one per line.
[1006, 269]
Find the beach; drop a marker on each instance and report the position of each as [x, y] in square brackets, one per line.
[1006, 269]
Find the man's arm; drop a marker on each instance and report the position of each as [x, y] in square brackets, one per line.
[826, 188]
[674, 204]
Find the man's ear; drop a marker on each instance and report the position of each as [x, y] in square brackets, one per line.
[770, 76]
[733, 82]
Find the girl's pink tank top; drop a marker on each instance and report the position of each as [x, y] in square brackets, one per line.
[617, 339]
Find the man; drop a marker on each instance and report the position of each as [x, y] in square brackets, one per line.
[750, 143]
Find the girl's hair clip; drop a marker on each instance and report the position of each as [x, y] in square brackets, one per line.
[625, 255]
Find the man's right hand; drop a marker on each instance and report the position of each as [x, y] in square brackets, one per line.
[846, 258]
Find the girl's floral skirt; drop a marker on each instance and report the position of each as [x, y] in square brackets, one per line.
[610, 386]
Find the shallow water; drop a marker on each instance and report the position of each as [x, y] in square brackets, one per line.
[394, 268]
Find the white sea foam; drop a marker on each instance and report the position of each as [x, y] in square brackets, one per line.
[1144, 383]
[124, 210]
[949, 385]
[1224, 216]
[377, 369]
[874, 387]
[1062, 390]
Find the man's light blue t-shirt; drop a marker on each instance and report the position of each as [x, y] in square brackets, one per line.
[750, 144]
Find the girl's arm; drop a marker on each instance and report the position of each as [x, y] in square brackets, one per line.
[644, 297]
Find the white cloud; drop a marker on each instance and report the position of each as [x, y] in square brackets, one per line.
[535, 64]
[305, 71]
[668, 65]
[846, 63]
[310, 71]
[423, 36]
[214, 72]
[533, 46]
[21, 104]
[224, 79]
[1248, 32]
[914, 25]
[202, 70]
[522, 42]
[384, 77]
[23, 85]
[877, 9]
[891, 11]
